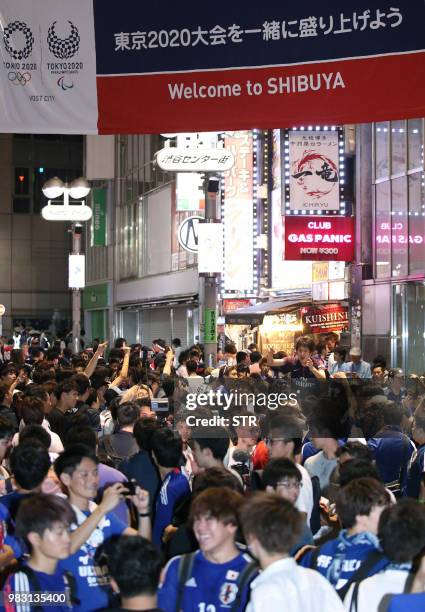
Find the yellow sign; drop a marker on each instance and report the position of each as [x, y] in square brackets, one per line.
[320, 271]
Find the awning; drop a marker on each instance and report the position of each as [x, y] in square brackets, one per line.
[254, 315]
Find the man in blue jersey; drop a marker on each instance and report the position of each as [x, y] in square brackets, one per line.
[167, 450]
[417, 461]
[77, 470]
[359, 505]
[43, 522]
[217, 576]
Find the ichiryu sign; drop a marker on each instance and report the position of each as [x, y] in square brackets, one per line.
[63, 212]
[96, 66]
[172, 159]
[319, 238]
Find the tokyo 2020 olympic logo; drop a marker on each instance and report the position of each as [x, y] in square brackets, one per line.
[23, 34]
[63, 48]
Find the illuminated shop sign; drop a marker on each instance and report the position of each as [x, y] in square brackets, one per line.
[328, 238]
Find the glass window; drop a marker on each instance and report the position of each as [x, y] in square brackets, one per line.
[399, 226]
[381, 150]
[415, 313]
[21, 205]
[398, 147]
[415, 144]
[416, 223]
[383, 230]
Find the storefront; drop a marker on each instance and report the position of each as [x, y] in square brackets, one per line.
[96, 304]
[393, 322]
[278, 323]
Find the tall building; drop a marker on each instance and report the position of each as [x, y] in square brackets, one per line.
[34, 252]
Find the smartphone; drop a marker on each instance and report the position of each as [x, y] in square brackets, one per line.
[160, 404]
[131, 487]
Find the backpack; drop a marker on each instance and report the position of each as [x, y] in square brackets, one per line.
[363, 572]
[108, 454]
[185, 572]
[68, 578]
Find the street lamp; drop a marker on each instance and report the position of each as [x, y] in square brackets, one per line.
[78, 189]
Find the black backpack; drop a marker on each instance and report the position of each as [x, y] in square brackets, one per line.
[185, 572]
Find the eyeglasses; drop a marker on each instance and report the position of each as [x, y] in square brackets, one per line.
[271, 441]
[290, 484]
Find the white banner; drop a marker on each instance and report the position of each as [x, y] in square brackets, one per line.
[314, 170]
[48, 67]
[210, 248]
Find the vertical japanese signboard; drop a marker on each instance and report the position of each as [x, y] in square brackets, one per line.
[313, 169]
[210, 333]
[238, 273]
[99, 218]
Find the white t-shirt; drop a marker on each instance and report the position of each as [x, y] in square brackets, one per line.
[373, 589]
[304, 502]
[284, 585]
[56, 445]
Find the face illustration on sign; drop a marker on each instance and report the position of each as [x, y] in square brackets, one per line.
[316, 174]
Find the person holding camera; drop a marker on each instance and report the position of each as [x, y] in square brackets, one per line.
[77, 469]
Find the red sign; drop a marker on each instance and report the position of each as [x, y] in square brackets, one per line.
[321, 238]
[328, 318]
[234, 305]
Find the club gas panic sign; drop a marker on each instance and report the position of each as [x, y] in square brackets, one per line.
[322, 238]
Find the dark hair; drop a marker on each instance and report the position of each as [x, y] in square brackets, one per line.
[255, 357]
[70, 459]
[379, 360]
[230, 348]
[215, 438]
[277, 469]
[358, 498]
[356, 450]
[357, 468]
[167, 447]
[274, 521]
[401, 530]
[191, 366]
[31, 410]
[135, 565]
[160, 342]
[143, 432]
[64, 374]
[215, 477]
[7, 428]
[176, 342]
[66, 387]
[290, 429]
[127, 414]
[29, 465]
[393, 413]
[99, 377]
[241, 357]
[36, 391]
[119, 343]
[341, 351]
[4, 390]
[222, 503]
[184, 356]
[81, 434]
[35, 432]
[82, 382]
[40, 512]
[305, 342]
[91, 398]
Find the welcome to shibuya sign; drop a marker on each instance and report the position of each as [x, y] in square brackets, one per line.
[98, 66]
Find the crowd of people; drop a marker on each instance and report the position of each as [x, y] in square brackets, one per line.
[302, 490]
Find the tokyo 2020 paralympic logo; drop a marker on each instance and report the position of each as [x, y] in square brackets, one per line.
[63, 48]
[25, 32]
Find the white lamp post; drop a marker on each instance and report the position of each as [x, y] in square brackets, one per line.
[77, 190]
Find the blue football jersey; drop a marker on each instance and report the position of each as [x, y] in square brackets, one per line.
[174, 487]
[340, 558]
[212, 587]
